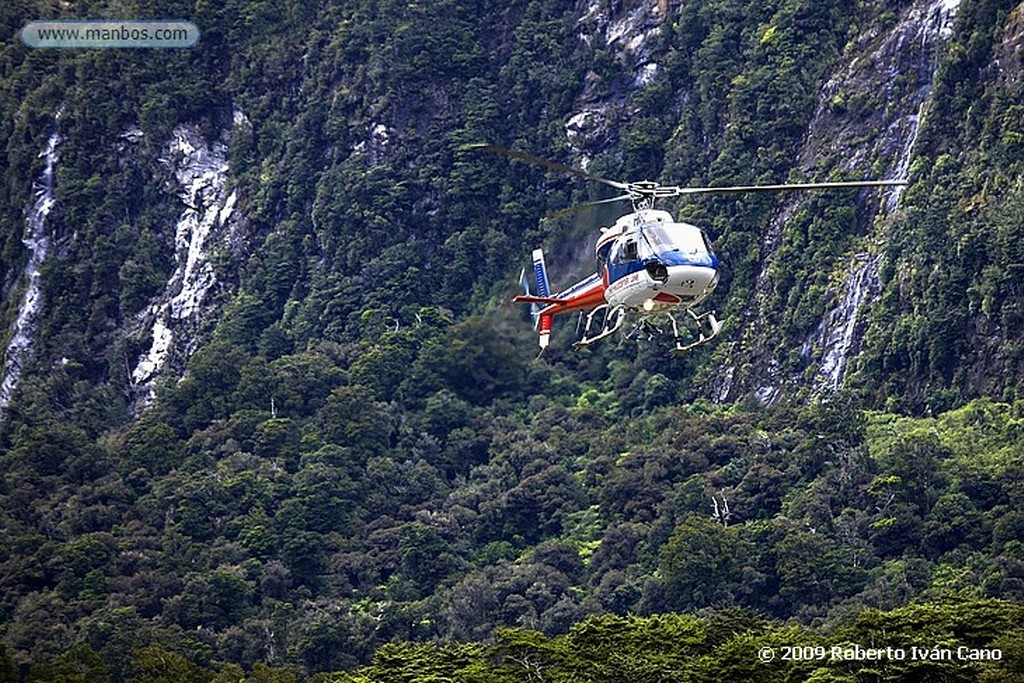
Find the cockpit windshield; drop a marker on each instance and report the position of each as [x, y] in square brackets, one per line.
[681, 237]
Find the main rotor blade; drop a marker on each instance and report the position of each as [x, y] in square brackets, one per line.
[539, 161]
[787, 187]
[586, 205]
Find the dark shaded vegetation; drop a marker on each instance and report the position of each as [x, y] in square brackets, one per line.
[314, 535]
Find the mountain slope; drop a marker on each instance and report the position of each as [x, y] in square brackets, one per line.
[264, 400]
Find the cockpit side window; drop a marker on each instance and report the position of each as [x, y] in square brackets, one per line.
[625, 250]
[629, 250]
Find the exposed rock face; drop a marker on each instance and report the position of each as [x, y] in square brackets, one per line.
[909, 54]
[839, 330]
[866, 124]
[628, 34]
[208, 218]
[872, 104]
[1009, 58]
[37, 241]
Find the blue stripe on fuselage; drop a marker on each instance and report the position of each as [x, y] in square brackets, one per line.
[678, 258]
[617, 271]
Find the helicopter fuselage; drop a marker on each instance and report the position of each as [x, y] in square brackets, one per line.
[647, 264]
[650, 262]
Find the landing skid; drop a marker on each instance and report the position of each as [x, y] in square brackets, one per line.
[608, 318]
[706, 325]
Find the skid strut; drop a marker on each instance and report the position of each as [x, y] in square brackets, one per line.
[707, 328]
[609, 319]
[606, 320]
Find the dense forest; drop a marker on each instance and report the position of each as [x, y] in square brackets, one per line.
[267, 414]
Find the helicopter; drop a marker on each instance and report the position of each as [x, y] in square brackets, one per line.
[651, 269]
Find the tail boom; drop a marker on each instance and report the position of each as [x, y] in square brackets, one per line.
[582, 296]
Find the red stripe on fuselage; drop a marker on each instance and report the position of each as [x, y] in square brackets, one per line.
[584, 299]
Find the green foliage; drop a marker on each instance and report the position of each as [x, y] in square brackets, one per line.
[351, 417]
[699, 561]
[252, 522]
[155, 664]
[724, 646]
[79, 664]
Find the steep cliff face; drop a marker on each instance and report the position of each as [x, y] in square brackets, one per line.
[207, 222]
[628, 34]
[866, 124]
[947, 318]
[803, 272]
[908, 57]
[37, 242]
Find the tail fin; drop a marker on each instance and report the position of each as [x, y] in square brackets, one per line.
[540, 273]
[544, 327]
[541, 323]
